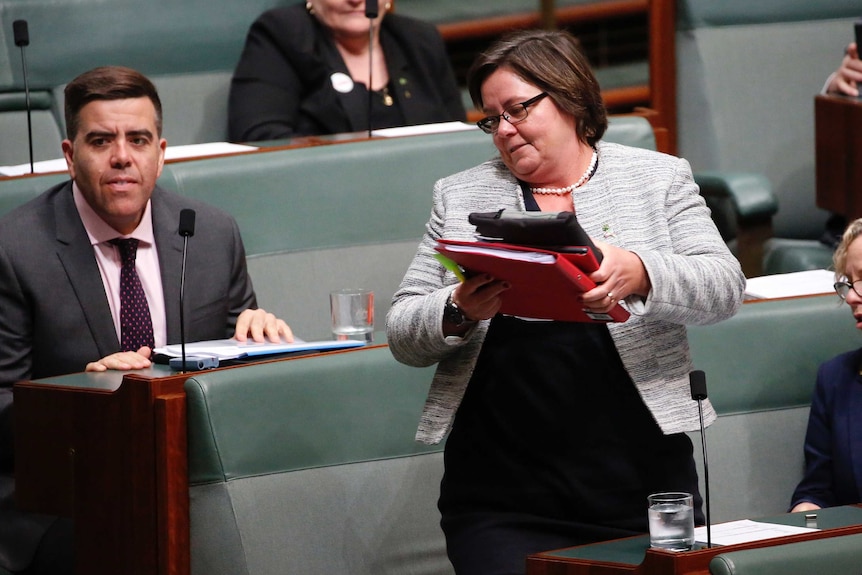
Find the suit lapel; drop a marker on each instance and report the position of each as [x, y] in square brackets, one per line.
[76, 256]
[169, 245]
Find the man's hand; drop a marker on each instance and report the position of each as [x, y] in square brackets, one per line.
[261, 326]
[123, 361]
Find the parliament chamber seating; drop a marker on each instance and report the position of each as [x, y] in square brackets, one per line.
[311, 462]
[189, 49]
[747, 75]
[309, 465]
[833, 556]
[320, 218]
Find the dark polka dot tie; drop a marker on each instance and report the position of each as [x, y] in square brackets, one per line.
[136, 325]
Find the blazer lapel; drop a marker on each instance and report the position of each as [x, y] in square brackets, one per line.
[76, 256]
[169, 245]
[400, 79]
[353, 103]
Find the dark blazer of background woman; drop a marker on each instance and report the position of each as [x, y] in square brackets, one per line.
[833, 442]
[282, 86]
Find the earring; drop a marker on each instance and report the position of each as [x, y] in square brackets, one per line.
[309, 7]
[387, 6]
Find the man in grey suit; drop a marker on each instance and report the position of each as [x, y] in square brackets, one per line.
[60, 292]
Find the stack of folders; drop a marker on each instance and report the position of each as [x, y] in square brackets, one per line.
[545, 283]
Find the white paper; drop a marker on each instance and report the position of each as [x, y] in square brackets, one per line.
[789, 285]
[224, 349]
[424, 129]
[171, 153]
[745, 531]
[521, 256]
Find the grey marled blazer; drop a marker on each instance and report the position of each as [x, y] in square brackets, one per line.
[640, 200]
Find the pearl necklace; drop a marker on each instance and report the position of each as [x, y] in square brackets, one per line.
[591, 169]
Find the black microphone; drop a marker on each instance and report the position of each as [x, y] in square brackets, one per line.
[371, 12]
[22, 38]
[697, 381]
[186, 230]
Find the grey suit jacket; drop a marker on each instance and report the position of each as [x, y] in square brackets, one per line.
[54, 314]
[640, 200]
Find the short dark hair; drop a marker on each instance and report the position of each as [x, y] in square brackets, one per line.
[553, 61]
[108, 83]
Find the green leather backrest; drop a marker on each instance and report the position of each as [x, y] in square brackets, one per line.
[155, 37]
[829, 556]
[443, 11]
[766, 356]
[706, 13]
[351, 194]
[311, 412]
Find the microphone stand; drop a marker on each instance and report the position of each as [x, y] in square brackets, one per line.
[182, 302]
[370, 70]
[186, 230]
[697, 380]
[22, 38]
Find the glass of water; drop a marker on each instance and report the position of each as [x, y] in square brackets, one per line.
[671, 521]
[352, 314]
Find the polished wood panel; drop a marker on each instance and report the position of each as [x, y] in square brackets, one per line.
[114, 459]
[838, 165]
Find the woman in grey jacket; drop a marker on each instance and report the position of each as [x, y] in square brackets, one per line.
[557, 430]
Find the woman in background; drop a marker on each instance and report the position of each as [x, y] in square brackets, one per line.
[304, 71]
[833, 442]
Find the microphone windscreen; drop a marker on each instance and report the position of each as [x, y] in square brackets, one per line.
[371, 9]
[187, 222]
[22, 35]
[697, 380]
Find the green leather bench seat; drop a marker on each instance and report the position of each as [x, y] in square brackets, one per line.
[830, 556]
[760, 368]
[309, 467]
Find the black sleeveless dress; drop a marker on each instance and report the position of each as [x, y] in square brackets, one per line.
[551, 447]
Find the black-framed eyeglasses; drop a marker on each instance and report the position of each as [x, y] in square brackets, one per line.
[843, 288]
[513, 114]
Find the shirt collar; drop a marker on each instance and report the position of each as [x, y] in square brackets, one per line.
[99, 231]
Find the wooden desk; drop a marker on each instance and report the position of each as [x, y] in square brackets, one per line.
[633, 556]
[109, 450]
[838, 165]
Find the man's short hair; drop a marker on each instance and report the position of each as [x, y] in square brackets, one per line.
[108, 83]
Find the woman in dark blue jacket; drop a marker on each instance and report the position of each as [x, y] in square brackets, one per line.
[833, 442]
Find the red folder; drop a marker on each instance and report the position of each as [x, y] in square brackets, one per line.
[545, 284]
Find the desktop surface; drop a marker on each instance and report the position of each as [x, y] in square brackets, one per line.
[632, 551]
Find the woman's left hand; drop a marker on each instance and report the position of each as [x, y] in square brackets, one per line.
[620, 275]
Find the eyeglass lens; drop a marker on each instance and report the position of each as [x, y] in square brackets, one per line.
[843, 288]
[513, 115]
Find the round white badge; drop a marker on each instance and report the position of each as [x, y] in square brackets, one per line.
[341, 82]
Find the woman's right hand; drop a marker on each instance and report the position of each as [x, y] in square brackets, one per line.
[478, 297]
